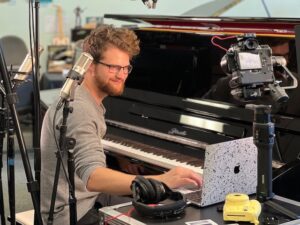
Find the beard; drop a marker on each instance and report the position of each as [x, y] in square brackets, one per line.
[112, 90]
[109, 88]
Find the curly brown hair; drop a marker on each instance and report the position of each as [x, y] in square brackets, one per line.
[104, 35]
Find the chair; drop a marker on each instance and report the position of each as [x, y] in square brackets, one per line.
[14, 50]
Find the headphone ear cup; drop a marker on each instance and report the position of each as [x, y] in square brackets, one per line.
[149, 191]
[143, 190]
[160, 191]
[161, 211]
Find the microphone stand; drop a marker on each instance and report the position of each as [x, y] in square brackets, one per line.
[2, 136]
[9, 125]
[11, 169]
[36, 100]
[263, 138]
[11, 166]
[66, 144]
[67, 93]
[36, 130]
[11, 100]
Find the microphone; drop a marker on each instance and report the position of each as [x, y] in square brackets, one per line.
[150, 3]
[154, 4]
[147, 3]
[26, 67]
[75, 76]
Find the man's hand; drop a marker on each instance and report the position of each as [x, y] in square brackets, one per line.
[179, 177]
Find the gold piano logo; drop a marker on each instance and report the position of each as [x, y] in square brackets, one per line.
[177, 132]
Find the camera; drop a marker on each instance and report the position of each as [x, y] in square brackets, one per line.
[238, 207]
[251, 66]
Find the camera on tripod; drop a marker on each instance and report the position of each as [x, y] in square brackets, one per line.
[251, 67]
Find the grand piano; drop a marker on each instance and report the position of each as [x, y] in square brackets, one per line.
[162, 119]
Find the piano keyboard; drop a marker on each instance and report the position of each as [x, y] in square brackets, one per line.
[150, 154]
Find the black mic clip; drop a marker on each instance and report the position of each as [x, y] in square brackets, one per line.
[76, 76]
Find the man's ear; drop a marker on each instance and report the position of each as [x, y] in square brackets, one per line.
[91, 69]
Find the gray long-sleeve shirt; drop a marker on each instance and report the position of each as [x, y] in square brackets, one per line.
[86, 125]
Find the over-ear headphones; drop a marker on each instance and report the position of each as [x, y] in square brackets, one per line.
[147, 191]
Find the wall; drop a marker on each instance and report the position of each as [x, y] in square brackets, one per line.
[14, 15]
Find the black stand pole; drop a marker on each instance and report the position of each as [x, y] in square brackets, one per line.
[71, 171]
[11, 100]
[36, 100]
[11, 170]
[2, 135]
[263, 137]
[36, 130]
[66, 144]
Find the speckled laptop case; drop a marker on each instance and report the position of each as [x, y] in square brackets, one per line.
[229, 167]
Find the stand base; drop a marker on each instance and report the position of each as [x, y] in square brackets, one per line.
[283, 207]
[285, 180]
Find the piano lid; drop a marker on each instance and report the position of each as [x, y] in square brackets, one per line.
[283, 27]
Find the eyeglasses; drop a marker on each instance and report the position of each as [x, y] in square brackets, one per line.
[116, 68]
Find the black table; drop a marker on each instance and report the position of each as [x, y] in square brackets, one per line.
[118, 215]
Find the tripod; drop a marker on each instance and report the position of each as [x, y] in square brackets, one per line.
[263, 137]
[8, 126]
[11, 100]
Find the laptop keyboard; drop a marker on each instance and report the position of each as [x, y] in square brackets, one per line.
[194, 196]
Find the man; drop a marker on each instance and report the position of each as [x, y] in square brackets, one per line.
[112, 50]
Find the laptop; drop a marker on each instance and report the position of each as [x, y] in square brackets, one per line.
[228, 167]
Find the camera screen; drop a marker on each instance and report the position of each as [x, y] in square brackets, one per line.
[249, 61]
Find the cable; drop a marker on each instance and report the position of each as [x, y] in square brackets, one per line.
[128, 213]
[58, 148]
[266, 8]
[221, 38]
[31, 31]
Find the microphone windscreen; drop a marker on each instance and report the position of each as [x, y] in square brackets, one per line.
[26, 66]
[76, 74]
[83, 63]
